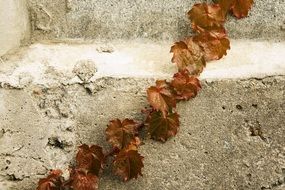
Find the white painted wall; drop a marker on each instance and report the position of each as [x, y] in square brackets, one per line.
[14, 24]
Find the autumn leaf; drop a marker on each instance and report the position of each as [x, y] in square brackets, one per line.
[214, 45]
[240, 8]
[128, 163]
[81, 180]
[188, 55]
[186, 86]
[161, 128]
[120, 134]
[90, 158]
[225, 5]
[52, 182]
[161, 97]
[206, 16]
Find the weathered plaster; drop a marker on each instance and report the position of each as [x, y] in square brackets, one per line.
[217, 146]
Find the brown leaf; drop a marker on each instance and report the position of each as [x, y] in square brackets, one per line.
[120, 134]
[90, 159]
[161, 128]
[188, 55]
[53, 182]
[205, 15]
[225, 5]
[161, 97]
[186, 86]
[214, 44]
[83, 181]
[240, 8]
[128, 163]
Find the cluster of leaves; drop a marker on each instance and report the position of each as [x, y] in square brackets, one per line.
[162, 120]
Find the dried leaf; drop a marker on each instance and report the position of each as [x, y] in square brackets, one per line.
[120, 134]
[188, 55]
[83, 181]
[206, 16]
[128, 163]
[240, 8]
[214, 44]
[161, 97]
[52, 182]
[225, 5]
[161, 128]
[186, 86]
[90, 159]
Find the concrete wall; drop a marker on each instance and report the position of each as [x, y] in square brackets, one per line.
[14, 24]
[55, 96]
[231, 136]
[152, 19]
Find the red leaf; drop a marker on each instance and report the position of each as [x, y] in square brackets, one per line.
[188, 55]
[83, 181]
[120, 134]
[240, 8]
[53, 182]
[90, 158]
[160, 127]
[214, 44]
[225, 5]
[186, 86]
[128, 163]
[161, 97]
[206, 16]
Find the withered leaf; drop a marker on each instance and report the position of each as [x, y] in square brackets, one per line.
[161, 128]
[186, 86]
[225, 5]
[188, 55]
[161, 97]
[214, 44]
[128, 163]
[90, 159]
[53, 182]
[120, 134]
[240, 8]
[205, 15]
[81, 180]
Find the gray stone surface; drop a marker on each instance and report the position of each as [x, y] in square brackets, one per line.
[153, 19]
[231, 135]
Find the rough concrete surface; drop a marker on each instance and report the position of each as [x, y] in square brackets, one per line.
[57, 94]
[14, 24]
[231, 135]
[153, 19]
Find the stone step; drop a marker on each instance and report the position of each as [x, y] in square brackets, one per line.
[59, 63]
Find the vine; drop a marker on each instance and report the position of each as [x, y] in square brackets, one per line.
[161, 118]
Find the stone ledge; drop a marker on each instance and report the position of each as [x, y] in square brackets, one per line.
[69, 63]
